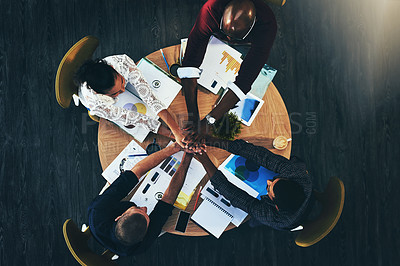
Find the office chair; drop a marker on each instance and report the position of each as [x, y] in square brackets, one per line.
[332, 201]
[72, 60]
[77, 244]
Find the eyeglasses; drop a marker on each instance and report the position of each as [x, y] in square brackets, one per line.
[238, 39]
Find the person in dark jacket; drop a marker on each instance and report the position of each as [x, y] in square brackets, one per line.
[121, 226]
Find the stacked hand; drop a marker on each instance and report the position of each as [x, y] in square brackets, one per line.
[195, 137]
[179, 138]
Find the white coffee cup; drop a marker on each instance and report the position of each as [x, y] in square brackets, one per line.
[281, 142]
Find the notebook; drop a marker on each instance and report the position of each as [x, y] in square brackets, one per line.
[212, 217]
[211, 193]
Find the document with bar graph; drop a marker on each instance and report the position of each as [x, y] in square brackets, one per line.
[157, 180]
[221, 64]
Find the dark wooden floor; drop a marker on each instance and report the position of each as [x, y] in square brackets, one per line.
[339, 75]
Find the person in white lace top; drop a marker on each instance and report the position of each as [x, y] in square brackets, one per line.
[101, 81]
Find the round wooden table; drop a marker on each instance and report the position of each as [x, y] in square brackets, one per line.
[271, 121]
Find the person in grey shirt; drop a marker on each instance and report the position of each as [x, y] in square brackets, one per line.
[289, 193]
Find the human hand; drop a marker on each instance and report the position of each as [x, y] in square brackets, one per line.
[177, 148]
[201, 157]
[179, 138]
[194, 139]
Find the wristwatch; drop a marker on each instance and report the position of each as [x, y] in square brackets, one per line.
[210, 120]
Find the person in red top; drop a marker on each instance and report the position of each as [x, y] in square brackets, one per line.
[235, 22]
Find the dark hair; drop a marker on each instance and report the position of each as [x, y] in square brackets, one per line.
[289, 196]
[98, 74]
[131, 229]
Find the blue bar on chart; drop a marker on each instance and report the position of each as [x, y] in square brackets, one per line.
[170, 165]
[172, 172]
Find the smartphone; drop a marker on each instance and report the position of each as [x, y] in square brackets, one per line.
[182, 221]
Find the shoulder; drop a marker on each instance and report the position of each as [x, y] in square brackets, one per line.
[262, 9]
[216, 4]
[265, 17]
[115, 59]
[213, 9]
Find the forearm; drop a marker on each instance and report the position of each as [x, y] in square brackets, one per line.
[120, 187]
[189, 87]
[217, 143]
[169, 120]
[257, 209]
[153, 160]
[260, 155]
[124, 116]
[207, 164]
[228, 102]
[177, 181]
[235, 195]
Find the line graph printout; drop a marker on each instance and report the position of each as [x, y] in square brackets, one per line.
[221, 64]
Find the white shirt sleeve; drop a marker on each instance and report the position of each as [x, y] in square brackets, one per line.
[102, 106]
[189, 72]
[124, 65]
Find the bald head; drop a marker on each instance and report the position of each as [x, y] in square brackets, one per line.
[238, 18]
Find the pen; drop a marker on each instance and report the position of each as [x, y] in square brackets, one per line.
[164, 58]
[197, 198]
[222, 93]
[134, 155]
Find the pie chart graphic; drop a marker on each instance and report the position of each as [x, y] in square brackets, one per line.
[137, 107]
[250, 173]
[244, 172]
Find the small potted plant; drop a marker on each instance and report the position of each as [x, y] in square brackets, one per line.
[228, 127]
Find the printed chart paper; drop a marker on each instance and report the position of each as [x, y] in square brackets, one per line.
[157, 180]
[112, 172]
[221, 64]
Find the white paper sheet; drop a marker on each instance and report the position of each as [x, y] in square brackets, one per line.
[221, 64]
[164, 172]
[164, 87]
[129, 101]
[112, 172]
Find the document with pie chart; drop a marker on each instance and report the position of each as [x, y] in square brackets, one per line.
[130, 102]
[163, 87]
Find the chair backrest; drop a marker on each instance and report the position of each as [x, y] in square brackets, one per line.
[77, 244]
[72, 60]
[332, 201]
